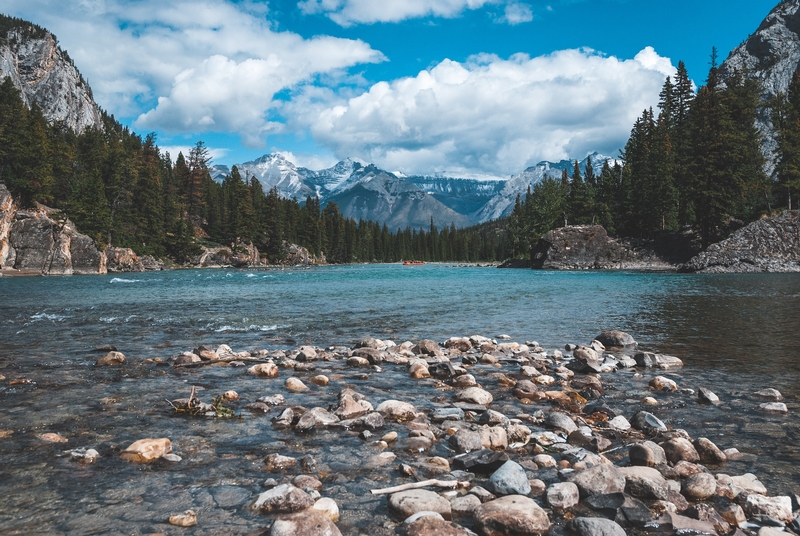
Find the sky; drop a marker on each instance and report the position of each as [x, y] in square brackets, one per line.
[473, 88]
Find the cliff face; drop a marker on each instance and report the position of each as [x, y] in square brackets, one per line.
[768, 245]
[37, 242]
[771, 55]
[45, 75]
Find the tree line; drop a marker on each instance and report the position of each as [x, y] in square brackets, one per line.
[696, 161]
[122, 190]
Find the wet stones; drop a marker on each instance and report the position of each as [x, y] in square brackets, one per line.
[186, 519]
[645, 483]
[111, 359]
[327, 507]
[494, 438]
[146, 450]
[294, 384]
[351, 405]
[481, 461]
[595, 526]
[709, 453]
[407, 503]
[615, 338]
[474, 395]
[769, 394]
[395, 410]
[306, 523]
[777, 408]
[313, 418]
[447, 414]
[586, 359]
[418, 370]
[526, 389]
[660, 383]
[705, 396]
[277, 462]
[285, 498]
[560, 421]
[510, 479]
[647, 454]
[427, 347]
[699, 487]
[651, 360]
[648, 423]
[84, 455]
[433, 525]
[373, 356]
[51, 437]
[512, 514]
[465, 440]
[462, 344]
[600, 480]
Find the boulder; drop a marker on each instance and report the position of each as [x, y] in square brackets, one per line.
[560, 421]
[146, 450]
[526, 389]
[374, 356]
[699, 487]
[600, 480]
[660, 383]
[407, 503]
[779, 508]
[427, 347]
[709, 453]
[465, 440]
[595, 526]
[328, 507]
[474, 395]
[562, 496]
[680, 449]
[264, 370]
[514, 515]
[651, 360]
[350, 408]
[616, 339]
[306, 523]
[295, 384]
[396, 410]
[111, 359]
[315, 417]
[648, 423]
[462, 344]
[645, 483]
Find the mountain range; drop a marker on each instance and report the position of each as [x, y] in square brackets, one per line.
[364, 191]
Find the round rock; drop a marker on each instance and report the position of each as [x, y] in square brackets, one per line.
[595, 526]
[510, 479]
[699, 487]
[474, 395]
[563, 495]
[512, 514]
[308, 523]
[407, 503]
[600, 480]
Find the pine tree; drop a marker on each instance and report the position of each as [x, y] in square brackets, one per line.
[786, 118]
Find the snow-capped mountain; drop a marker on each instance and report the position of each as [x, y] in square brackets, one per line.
[365, 191]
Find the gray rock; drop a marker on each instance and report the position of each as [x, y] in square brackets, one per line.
[465, 504]
[512, 514]
[307, 523]
[706, 396]
[651, 360]
[562, 495]
[680, 449]
[615, 339]
[645, 483]
[648, 423]
[444, 414]
[699, 487]
[600, 480]
[595, 526]
[407, 503]
[283, 499]
[465, 440]
[510, 479]
[560, 421]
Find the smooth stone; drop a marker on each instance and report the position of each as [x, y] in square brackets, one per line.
[465, 440]
[750, 483]
[560, 421]
[51, 437]
[769, 394]
[645, 483]
[278, 462]
[606, 504]
[474, 395]
[778, 507]
[464, 381]
[699, 487]
[294, 384]
[396, 410]
[680, 449]
[707, 397]
[328, 507]
[264, 370]
[186, 519]
[350, 408]
[619, 423]
[562, 495]
[513, 515]
[444, 414]
[407, 503]
[660, 383]
[432, 526]
[481, 461]
[84, 455]
[615, 338]
[491, 416]
[651, 360]
[307, 523]
[641, 455]
[285, 498]
[510, 479]
[320, 380]
[709, 453]
[648, 423]
[146, 450]
[111, 359]
[315, 417]
[773, 407]
[600, 480]
[464, 505]
[595, 526]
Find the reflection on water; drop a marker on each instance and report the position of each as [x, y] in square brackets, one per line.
[736, 334]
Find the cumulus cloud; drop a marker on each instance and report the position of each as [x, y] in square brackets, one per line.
[489, 114]
[190, 65]
[517, 13]
[349, 12]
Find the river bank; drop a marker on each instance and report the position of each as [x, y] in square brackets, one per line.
[579, 432]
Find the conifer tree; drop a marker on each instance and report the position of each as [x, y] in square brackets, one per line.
[786, 119]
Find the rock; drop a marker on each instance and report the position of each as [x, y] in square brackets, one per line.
[660, 383]
[370, 421]
[749, 483]
[648, 423]
[465, 440]
[111, 359]
[186, 519]
[294, 384]
[647, 454]
[427, 347]
[414, 444]
[146, 450]
[307, 523]
[320, 380]
[600, 480]
[465, 380]
[733, 515]
[264, 370]
[704, 396]
[510, 479]
[560, 421]
[615, 339]
[595, 526]
[619, 423]
[494, 437]
[407, 503]
[709, 453]
[769, 394]
[328, 507]
[645, 483]
[52, 438]
[373, 356]
[481, 461]
[773, 407]
[447, 414]
[650, 360]
[350, 408]
[464, 505]
[526, 389]
[396, 410]
[585, 360]
[315, 417]
[699, 487]
[84, 455]
[285, 498]
[306, 353]
[474, 395]
[680, 449]
[462, 344]
[357, 362]
[429, 525]
[369, 342]
[513, 515]
[779, 508]
[278, 462]
[185, 358]
[562, 496]
[418, 369]
[442, 370]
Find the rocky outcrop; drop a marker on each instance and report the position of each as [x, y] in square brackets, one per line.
[241, 255]
[300, 256]
[767, 245]
[46, 76]
[588, 247]
[42, 241]
[125, 260]
[771, 55]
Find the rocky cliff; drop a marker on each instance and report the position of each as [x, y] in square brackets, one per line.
[771, 55]
[767, 245]
[45, 75]
[39, 241]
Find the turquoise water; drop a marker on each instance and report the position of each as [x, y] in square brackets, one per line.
[735, 333]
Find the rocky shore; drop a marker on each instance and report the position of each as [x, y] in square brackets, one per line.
[488, 436]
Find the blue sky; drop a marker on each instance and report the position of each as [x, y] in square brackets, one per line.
[464, 87]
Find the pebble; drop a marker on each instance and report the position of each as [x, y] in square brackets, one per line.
[112, 359]
[52, 438]
[146, 450]
[294, 384]
[186, 519]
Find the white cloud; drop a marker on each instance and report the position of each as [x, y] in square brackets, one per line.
[488, 115]
[215, 153]
[190, 65]
[310, 161]
[517, 13]
[349, 12]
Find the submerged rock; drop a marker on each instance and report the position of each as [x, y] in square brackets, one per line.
[146, 450]
[285, 498]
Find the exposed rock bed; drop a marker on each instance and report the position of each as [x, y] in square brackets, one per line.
[533, 448]
[767, 245]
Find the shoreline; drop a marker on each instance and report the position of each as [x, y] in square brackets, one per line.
[463, 410]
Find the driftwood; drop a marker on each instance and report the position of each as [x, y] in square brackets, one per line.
[447, 484]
